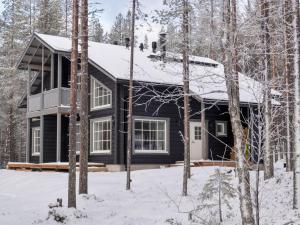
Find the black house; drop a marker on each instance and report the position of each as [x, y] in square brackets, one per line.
[158, 113]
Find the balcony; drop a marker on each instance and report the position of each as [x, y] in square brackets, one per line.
[49, 101]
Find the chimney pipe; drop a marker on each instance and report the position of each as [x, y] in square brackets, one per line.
[154, 46]
[141, 47]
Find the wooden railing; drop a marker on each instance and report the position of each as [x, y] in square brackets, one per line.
[49, 99]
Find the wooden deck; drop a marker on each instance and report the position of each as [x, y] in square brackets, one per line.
[204, 163]
[64, 167]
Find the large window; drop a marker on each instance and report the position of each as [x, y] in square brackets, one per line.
[150, 136]
[36, 148]
[101, 95]
[101, 136]
[77, 138]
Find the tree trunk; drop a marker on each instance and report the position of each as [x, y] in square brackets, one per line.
[232, 83]
[84, 101]
[130, 107]
[268, 156]
[73, 110]
[296, 202]
[185, 56]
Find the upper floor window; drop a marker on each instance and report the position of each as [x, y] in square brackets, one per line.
[100, 95]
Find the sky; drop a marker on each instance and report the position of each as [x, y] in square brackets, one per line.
[113, 7]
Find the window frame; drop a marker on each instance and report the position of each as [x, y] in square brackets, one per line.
[166, 136]
[93, 81]
[33, 143]
[225, 128]
[92, 122]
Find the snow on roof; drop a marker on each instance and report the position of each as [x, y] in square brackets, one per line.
[206, 81]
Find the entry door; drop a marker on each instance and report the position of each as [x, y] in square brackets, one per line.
[196, 138]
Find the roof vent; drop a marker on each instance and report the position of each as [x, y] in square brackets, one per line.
[154, 46]
[127, 40]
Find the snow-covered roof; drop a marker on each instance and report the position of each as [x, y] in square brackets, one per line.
[206, 81]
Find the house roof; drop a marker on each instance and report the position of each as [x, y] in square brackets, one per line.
[207, 79]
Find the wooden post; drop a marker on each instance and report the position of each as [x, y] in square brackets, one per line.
[52, 72]
[43, 72]
[58, 138]
[27, 118]
[203, 130]
[59, 73]
[41, 138]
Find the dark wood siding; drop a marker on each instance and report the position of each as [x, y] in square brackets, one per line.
[108, 112]
[50, 138]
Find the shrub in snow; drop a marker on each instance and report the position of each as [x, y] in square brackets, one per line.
[63, 215]
[216, 192]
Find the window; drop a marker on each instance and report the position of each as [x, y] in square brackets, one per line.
[221, 128]
[101, 138]
[101, 95]
[36, 141]
[78, 138]
[197, 134]
[150, 136]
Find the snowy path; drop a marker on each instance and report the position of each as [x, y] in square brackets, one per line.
[24, 198]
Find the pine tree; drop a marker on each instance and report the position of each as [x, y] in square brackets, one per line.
[73, 109]
[84, 101]
[50, 17]
[96, 32]
[218, 186]
[116, 34]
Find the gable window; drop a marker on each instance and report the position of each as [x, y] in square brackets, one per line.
[101, 136]
[150, 136]
[36, 141]
[221, 128]
[100, 95]
[78, 138]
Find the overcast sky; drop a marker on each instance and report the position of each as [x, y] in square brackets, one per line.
[113, 7]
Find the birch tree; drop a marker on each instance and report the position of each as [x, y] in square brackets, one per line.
[230, 54]
[84, 101]
[185, 56]
[268, 156]
[296, 204]
[73, 109]
[130, 100]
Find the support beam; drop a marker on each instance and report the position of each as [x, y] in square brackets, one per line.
[41, 139]
[203, 131]
[52, 72]
[28, 119]
[43, 64]
[58, 138]
[59, 78]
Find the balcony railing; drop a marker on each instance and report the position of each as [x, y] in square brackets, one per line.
[49, 99]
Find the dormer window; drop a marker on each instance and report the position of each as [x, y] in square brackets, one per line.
[100, 95]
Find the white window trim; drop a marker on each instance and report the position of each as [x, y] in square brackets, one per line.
[166, 138]
[225, 128]
[103, 152]
[33, 141]
[92, 83]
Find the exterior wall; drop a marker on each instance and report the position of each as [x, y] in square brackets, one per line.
[107, 112]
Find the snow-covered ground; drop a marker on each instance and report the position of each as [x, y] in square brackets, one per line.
[155, 198]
